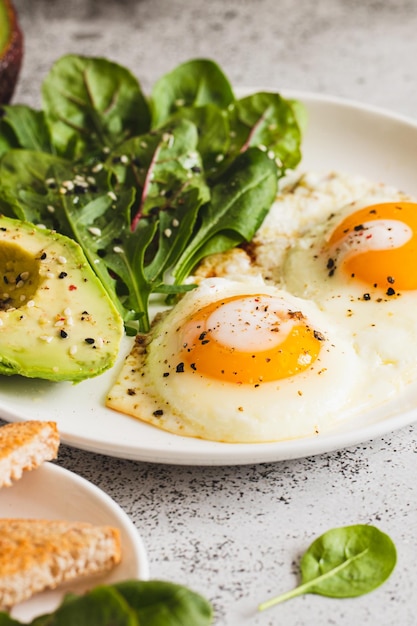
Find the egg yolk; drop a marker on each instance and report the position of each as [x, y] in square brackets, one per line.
[248, 340]
[378, 246]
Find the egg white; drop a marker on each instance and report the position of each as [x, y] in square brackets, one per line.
[382, 328]
[188, 403]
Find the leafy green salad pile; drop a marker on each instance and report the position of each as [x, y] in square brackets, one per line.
[148, 186]
[344, 562]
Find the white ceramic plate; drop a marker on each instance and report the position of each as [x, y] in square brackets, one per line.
[52, 492]
[341, 135]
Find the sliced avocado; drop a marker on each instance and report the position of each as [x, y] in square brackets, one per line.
[11, 50]
[56, 320]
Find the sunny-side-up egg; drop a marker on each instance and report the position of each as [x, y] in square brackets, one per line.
[240, 361]
[360, 267]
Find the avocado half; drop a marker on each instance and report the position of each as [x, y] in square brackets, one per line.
[11, 50]
[57, 322]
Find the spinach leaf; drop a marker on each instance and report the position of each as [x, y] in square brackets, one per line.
[268, 121]
[29, 127]
[159, 603]
[344, 563]
[146, 205]
[191, 84]
[239, 203]
[103, 606]
[92, 104]
[7, 620]
[129, 603]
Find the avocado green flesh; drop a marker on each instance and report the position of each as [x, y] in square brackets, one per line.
[56, 319]
[5, 31]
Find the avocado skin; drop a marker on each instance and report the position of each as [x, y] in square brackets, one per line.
[57, 322]
[11, 57]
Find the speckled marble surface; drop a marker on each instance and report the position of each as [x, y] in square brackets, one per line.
[236, 533]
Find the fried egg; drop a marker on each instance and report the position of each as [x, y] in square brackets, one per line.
[359, 266]
[240, 361]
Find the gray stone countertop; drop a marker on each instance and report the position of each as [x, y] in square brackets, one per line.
[236, 534]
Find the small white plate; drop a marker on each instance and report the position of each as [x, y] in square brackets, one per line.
[341, 135]
[51, 492]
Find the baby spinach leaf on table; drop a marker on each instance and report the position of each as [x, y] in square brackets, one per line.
[92, 104]
[238, 205]
[191, 84]
[344, 563]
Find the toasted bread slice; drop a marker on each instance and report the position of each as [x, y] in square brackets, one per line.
[24, 446]
[41, 554]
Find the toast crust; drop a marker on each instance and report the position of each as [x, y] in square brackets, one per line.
[24, 446]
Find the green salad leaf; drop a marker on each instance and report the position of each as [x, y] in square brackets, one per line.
[148, 186]
[344, 563]
[129, 603]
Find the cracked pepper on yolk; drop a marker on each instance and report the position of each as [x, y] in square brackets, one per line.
[378, 245]
[248, 340]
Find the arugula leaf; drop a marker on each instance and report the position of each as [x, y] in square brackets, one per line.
[92, 104]
[191, 84]
[344, 563]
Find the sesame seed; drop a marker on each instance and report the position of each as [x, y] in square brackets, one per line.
[51, 208]
[67, 311]
[1, 322]
[62, 260]
[175, 222]
[97, 168]
[167, 232]
[75, 200]
[117, 249]
[50, 275]
[46, 338]
[70, 321]
[19, 284]
[59, 323]
[89, 340]
[24, 275]
[63, 334]
[30, 303]
[271, 155]
[219, 158]
[95, 231]
[262, 148]
[112, 195]
[22, 297]
[91, 180]
[73, 350]
[100, 342]
[124, 159]
[42, 226]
